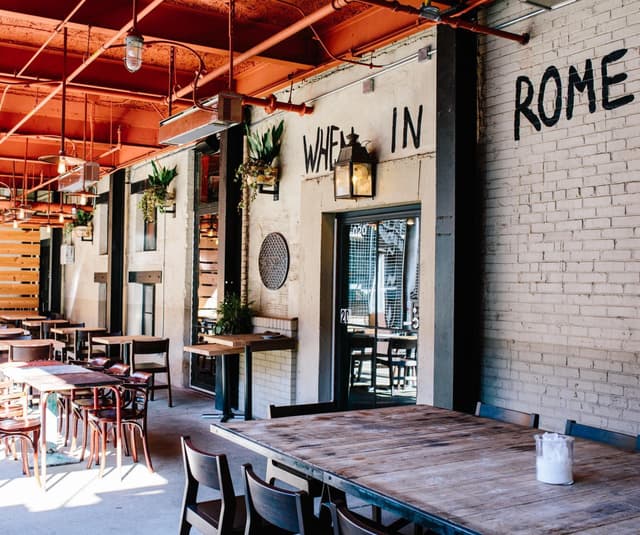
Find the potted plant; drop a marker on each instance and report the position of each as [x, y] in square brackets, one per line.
[233, 317]
[262, 166]
[83, 223]
[157, 195]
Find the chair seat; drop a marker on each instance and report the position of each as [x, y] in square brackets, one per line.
[19, 425]
[209, 513]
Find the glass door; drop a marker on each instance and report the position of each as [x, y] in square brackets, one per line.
[377, 309]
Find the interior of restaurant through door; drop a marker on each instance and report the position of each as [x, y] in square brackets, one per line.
[377, 308]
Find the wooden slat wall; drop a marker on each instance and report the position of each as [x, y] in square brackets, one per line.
[19, 268]
[208, 272]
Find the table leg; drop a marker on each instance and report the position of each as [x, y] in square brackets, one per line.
[227, 414]
[43, 437]
[248, 414]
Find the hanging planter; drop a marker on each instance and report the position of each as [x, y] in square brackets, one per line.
[263, 166]
[157, 194]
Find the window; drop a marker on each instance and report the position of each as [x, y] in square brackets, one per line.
[148, 308]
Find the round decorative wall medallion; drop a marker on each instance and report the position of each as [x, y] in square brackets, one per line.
[273, 261]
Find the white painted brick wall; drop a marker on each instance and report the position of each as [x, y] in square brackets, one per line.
[562, 216]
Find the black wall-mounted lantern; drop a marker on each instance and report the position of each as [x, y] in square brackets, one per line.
[354, 173]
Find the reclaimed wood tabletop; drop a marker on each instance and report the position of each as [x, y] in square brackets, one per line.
[459, 472]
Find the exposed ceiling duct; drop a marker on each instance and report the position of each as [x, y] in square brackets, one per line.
[200, 122]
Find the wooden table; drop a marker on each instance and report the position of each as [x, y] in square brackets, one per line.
[250, 343]
[51, 376]
[12, 332]
[218, 350]
[123, 340]
[459, 472]
[18, 316]
[72, 330]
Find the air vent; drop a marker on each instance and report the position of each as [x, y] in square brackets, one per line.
[80, 178]
[197, 123]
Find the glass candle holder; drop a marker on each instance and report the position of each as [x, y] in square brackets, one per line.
[554, 459]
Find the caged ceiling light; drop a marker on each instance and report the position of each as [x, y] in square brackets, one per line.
[133, 45]
[354, 172]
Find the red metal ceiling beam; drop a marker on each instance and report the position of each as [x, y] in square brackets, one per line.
[275, 39]
[118, 35]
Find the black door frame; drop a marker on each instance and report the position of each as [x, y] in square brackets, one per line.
[340, 345]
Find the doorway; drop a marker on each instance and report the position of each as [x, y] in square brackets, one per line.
[377, 308]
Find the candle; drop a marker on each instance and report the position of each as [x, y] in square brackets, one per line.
[554, 459]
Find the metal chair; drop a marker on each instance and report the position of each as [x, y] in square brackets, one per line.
[153, 347]
[225, 515]
[82, 347]
[613, 438]
[274, 510]
[507, 415]
[400, 360]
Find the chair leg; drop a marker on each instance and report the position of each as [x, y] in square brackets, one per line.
[169, 385]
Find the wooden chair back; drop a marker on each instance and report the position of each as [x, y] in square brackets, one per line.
[291, 511]
[278, 472]
[224, 515]
[346, 522]
[37, 350]
[153, 347]
[45, 328]
[507, 415]
[597, 434]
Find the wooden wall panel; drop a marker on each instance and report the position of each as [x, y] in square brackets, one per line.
[19, 269]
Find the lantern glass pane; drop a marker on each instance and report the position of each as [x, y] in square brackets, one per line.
[342, 180]
[362, 180]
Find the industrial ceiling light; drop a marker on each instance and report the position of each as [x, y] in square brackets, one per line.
[354, 172]
[429, 12]
[133, 45]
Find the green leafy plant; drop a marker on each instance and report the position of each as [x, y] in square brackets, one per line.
[156, 194]
[262, 165]
[83, 218]
[233, 317]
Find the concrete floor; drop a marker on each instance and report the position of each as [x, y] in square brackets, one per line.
[78, 501]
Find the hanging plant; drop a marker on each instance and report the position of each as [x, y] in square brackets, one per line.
[156, 195]
[83, 218]
[262, 167]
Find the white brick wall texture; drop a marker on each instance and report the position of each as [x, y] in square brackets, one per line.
[562, 218]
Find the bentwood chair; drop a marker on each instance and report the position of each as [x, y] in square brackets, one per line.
[225, 515]
[274, 510]
[133, 417]
[81, 403]
[35, 350]
[613, 438]
[507, 415]
[146, 348]
[16, 423]
[346, 522]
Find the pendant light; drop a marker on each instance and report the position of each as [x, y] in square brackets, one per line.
[61, 160]
[133, 45]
